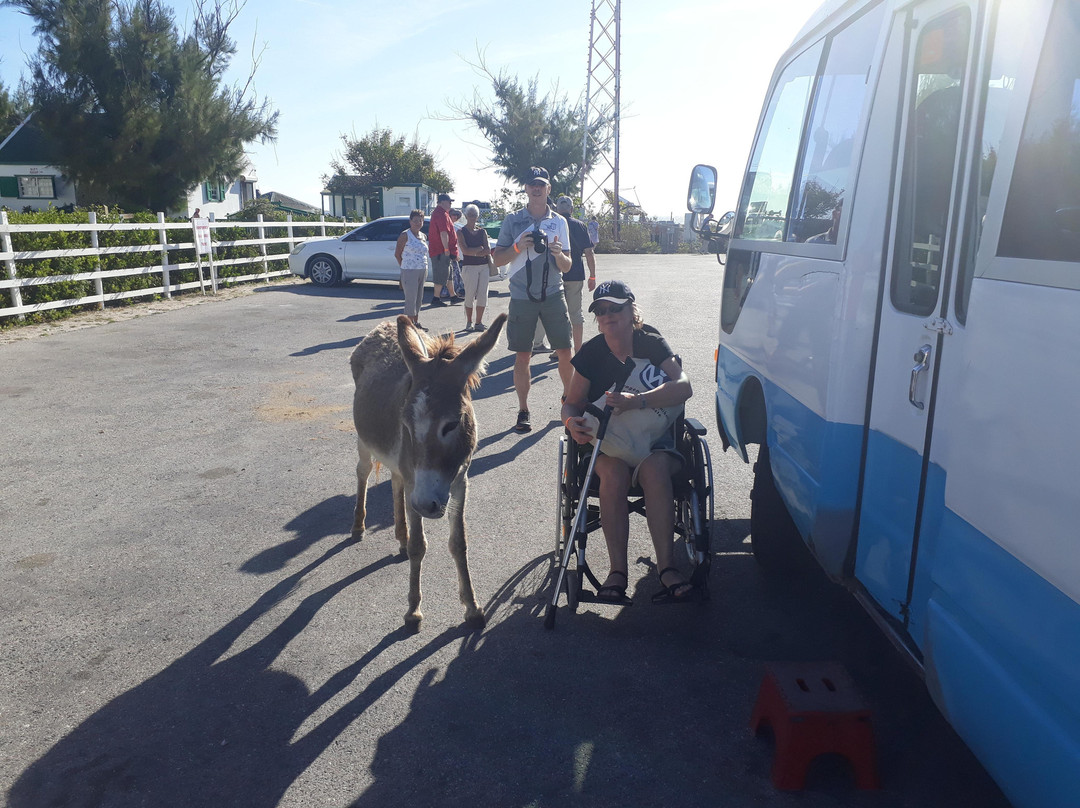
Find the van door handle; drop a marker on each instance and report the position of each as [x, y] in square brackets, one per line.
[922, 360]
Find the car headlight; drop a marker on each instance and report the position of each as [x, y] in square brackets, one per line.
[296, 250]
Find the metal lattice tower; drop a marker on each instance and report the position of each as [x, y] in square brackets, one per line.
[602, 98]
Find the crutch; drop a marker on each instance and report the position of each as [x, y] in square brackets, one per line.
[580, 534]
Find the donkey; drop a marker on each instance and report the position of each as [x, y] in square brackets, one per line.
[414, 415]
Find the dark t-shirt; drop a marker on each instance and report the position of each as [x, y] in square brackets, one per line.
[579, 242]
[474, 238]
[595, 362]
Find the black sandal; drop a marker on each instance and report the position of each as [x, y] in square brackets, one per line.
[671, 594]
[615, 594]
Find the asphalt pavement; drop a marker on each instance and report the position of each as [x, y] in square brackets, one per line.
[185, 620]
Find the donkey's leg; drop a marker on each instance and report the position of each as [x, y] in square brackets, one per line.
[474, 615]
[417, 549]
[401, 525]
[363, 470]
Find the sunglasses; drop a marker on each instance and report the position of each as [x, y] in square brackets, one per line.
[600, 311]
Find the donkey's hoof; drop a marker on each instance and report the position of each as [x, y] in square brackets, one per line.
[476, 622]
[412, 623]
[357, 535]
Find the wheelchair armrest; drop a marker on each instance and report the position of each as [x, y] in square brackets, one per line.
[694, 427]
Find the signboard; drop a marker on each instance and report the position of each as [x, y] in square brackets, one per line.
[202, 236]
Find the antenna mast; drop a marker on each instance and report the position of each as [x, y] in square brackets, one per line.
[602, 86]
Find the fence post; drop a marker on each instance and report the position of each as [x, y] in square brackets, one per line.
[288, 224]
[164, 240]
[322, 224]
[262, 247]
[210, 258]
[5, 245]
[99, 289]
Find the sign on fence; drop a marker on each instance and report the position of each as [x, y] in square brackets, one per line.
[202, 235]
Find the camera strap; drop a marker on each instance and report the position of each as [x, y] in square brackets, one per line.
[543, 279]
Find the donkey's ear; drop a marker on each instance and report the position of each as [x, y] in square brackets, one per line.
[471, 358]
[411, 342]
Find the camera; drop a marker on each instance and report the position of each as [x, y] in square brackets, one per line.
[539, 240]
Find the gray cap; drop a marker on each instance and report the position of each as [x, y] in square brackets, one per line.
[564, 201]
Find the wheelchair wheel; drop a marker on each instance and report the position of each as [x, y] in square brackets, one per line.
[573, 589]
[565, 499]
[697, 512]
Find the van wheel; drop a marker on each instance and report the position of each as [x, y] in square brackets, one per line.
[778, 547]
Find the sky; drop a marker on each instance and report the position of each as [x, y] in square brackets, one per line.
[694, 74]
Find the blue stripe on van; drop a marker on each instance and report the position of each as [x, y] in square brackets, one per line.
[1002, 654]
[815, 462]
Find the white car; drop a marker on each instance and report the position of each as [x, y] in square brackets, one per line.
[366, 253]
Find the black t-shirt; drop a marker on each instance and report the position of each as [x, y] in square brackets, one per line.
[595, 362]
[579, 242]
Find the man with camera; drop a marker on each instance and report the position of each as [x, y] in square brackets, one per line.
[533, 242]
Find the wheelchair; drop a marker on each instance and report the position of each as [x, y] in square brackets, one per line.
[577, 515]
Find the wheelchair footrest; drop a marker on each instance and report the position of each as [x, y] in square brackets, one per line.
[586, 596]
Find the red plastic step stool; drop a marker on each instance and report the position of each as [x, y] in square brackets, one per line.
[814, 709]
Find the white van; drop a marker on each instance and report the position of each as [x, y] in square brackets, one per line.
[900, 335]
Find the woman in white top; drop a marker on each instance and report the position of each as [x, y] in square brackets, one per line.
[412, 256]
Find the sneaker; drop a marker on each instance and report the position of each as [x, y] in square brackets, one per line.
[554, 357]
[479, 327]
[435, 301]
[540, 348]
[523, 424]
[468, 327]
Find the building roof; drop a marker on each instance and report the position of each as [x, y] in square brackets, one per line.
[289, 203]
[28, 145]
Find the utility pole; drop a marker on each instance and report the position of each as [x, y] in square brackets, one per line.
[602, 89]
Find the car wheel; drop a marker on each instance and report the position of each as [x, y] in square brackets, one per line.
[324, 270]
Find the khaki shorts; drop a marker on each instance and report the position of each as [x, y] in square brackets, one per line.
[572, 290]
[523, 315]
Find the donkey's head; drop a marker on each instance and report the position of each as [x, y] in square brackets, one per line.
[439, 427]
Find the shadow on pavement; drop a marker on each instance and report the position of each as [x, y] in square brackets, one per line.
[331, 517]
[209, 730]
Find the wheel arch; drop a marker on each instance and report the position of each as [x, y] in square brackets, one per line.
[751, 418]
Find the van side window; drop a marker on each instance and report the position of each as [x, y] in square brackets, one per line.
[1042, 214]
[936, 97]
[834, 125]
[1010, 28]
[763, 209]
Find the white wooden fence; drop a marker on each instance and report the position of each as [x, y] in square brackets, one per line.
[167, 234]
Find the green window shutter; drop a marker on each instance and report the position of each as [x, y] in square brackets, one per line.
[9, 186]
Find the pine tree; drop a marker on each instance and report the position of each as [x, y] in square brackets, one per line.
[380, 159]
[138, 109]
[526, 129]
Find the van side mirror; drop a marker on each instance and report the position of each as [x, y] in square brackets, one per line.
[701, 195]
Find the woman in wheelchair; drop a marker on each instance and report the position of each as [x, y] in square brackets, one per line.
[639, 447]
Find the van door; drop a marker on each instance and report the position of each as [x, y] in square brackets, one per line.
[911, 329]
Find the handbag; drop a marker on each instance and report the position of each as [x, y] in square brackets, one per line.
[632, 434]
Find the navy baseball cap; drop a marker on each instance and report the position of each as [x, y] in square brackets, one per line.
[613, 292]
[537, 175]
[444, 198]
